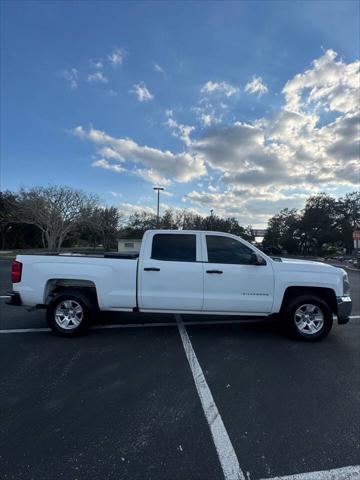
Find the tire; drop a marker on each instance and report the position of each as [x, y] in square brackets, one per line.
[70, 313]
[308, 317]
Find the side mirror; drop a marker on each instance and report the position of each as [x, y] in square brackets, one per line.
[257, 259]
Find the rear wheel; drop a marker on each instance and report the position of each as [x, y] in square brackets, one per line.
[70, 314]
[308, 317]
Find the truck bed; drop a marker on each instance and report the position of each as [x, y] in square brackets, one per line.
[115, 281]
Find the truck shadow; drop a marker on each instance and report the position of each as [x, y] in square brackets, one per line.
[247, 326]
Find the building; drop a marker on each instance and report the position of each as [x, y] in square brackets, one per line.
[129, 245]
[356, 238]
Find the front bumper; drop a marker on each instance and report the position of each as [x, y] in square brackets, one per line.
[344, 305]
[14, 299]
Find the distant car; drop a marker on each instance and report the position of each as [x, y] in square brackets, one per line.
[184, 272]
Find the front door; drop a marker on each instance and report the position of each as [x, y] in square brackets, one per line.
[232, 283]
[171, 278]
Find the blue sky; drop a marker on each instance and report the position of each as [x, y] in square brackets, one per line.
[240, 107]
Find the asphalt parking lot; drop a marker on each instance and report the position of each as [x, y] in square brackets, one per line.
[158, 397]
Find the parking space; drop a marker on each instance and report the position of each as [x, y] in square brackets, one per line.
[128, 401]
[109, 405]
[288, 406]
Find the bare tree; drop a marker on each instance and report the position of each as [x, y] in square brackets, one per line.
[55, 210]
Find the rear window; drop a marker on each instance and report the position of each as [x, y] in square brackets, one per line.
[174, 247]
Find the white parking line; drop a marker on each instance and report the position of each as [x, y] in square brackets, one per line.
[24, 330]
[4, 296]
[225, 450]
[345, 473]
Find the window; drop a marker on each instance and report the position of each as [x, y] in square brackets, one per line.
[227, 250]
[129, 245]
[173, 247]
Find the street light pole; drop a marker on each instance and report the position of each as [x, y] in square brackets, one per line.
[158, 204]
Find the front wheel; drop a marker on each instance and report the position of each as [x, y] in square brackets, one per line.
[308, 317]
[69, 314]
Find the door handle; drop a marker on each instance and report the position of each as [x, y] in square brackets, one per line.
[214, 271]
[152, 269]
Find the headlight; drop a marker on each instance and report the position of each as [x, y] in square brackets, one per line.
[346, 284]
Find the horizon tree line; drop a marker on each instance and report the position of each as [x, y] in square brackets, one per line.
[56, 217]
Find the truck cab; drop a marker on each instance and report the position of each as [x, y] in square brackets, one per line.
[191, 271]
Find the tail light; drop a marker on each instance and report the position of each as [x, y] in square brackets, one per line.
[16, 270]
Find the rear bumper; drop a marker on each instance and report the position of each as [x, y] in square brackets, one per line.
[344, 305]
[14, 299]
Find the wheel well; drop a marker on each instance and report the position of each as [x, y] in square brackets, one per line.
[56, 286]
[326, 294]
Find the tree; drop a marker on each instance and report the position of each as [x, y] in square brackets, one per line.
[7, 211]
[187, 220]
[138, 223]
[104, 222]
[54, 210]
[348, 217]
[168, 220]
[283, 231]
[319, 224]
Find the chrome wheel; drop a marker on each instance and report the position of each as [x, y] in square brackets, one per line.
[309, 319]
[69, 314]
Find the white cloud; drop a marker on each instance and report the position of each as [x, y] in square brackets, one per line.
[167, 193]
[97, 64]
[153, 164]
[109, 152]
[209, 113]
[97, 77]
[158, 68]
[256, 85]
[142, 93]
[180, 131]
[330, 84]
[130, 208]
[207, 119]
[103, 163]
[115, 194]
[71, 76]
[219, 87]
[152, 176]
[216, 100]
[248, 206]
[116, 57]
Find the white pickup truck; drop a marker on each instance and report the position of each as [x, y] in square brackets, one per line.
[199, 272]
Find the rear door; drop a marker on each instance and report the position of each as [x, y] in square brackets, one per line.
[170, 272]
[231, 282]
